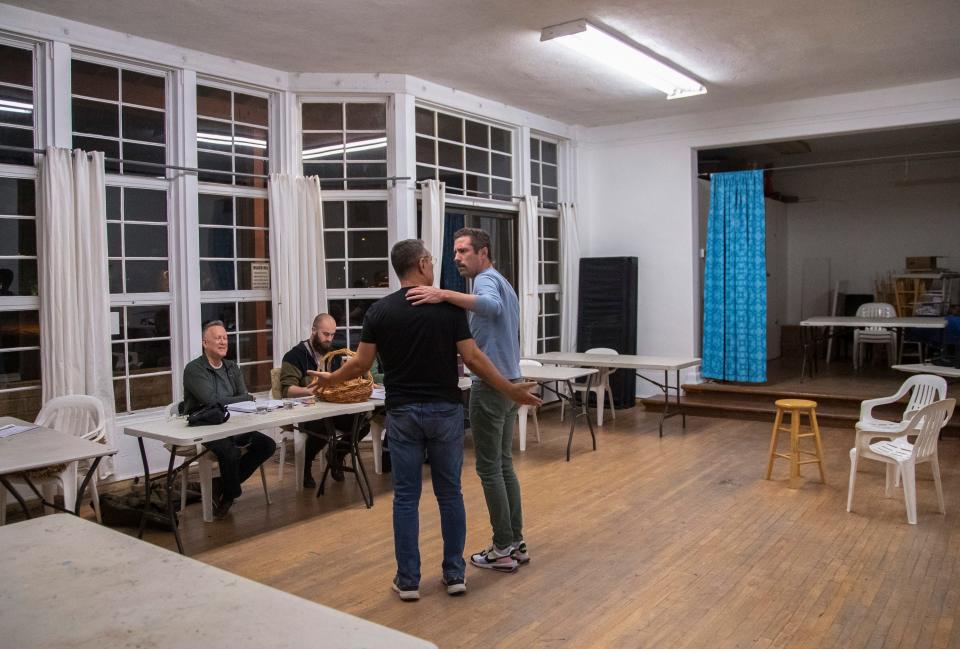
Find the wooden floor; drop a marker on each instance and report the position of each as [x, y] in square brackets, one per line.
[647, 542]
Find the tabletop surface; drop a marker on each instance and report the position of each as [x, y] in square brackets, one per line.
[853, 321]
[42, 447]
[927, 368]
[69, 582]
[619, 360]
[174, 430]
[553, 373]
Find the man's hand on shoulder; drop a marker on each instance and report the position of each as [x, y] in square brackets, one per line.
[426, 295]
[520, 392]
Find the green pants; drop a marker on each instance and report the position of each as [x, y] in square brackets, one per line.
[492, 416]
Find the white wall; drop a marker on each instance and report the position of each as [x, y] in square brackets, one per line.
[866, 220]
[638, 195]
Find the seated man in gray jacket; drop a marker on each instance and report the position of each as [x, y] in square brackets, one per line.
[212, 378]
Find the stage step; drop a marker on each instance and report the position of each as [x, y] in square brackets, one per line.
[740, 402]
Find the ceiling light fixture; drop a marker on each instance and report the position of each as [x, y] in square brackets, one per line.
[589, 40]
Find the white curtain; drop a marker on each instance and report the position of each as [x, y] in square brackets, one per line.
[75, 327]
[569, 276]
[298, 271]
[431, 228]
[528, 259]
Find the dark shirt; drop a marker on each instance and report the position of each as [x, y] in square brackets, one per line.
[203, 385]
[417, 346]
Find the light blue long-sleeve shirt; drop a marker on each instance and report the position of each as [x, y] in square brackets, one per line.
[495, 322]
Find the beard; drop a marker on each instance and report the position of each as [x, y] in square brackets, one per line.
[320, 346]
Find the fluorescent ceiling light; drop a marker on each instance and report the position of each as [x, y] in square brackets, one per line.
[591, 41]
[350, 147]
[226, 140]
[9, 106]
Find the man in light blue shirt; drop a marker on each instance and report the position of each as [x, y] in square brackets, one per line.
[495, 325]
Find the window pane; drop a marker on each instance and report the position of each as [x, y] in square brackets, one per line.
[145, 240]
[366, 146]
[323, 147]
[550, 152]
[142, 89]
[215, 135]
[19, 329]
[17, 237]
[147, 276]
[216, 242]
[148, 356]
[549, 175]
[550, 196]
[366, 274]
[216, 276]
[257, 377]
[110, 148]
[120, 395]
[322, 117]
[18, 137]
[148, 321]
[336, 274]
[535, 172]
[478, 134]
[551, 273]
[358, 309]
[94, 80]
[500, 139]
[534, 148]
[257, 169]
[20, 103]
[253, 212]
[450, 155]
[156, 155]
[17, 65]
[426, 173]
[366, 116]
[551, 227]
[255, 347]
[333, 245]
[245, 273]
[478, 184]
[113, 204]
[453, 179]
[255, 315]
[250, 140]
[449, 127]
[145, 205]
[225, 312]
[501, 165]
[367, 214]
[215, 210]
[250, 109]
[150, 391]
[424, 119]
[333, 214]
[19, 369]
[213, 102]
[115, 271]
[253, 243]
[367, 243]
[97, 117]
[425, 152]
[366, 170]
[502, 188]
[17, 197]
[477, 161]
[114, 240]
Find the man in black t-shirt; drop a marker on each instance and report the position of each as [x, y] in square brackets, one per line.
[418, 349]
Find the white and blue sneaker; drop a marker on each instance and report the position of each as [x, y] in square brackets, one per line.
[495, 558]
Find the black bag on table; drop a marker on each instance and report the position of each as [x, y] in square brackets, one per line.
[208, 415]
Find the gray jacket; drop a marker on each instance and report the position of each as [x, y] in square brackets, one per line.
[201, 387]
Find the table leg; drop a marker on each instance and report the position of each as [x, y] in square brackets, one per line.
[358, 471]
[666, 399]
[146, 489]
[16, 494]
[683, 414]
[85, 483]
[171, 476]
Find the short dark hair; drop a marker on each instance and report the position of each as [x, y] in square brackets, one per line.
[406, 254]
[479, 239]
[211, 323]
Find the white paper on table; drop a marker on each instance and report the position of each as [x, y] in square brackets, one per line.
[14, 429]
[379, 393]
[243, 406]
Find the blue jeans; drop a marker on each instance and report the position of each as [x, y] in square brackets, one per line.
[438, 429]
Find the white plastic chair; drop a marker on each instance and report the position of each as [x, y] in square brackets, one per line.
[276, 392]
[205, 465]
[874, 335]
[599, 386]
[377, 431]
[904, 457]
[79, 415]
[524, 411]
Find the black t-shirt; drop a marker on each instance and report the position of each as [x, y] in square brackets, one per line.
[417, 346]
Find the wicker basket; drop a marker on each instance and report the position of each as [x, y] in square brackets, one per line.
[351, 391]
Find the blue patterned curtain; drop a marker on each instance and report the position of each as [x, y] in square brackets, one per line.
[450, 277]
[735, 280]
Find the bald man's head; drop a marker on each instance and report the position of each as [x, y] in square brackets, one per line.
[322, 333]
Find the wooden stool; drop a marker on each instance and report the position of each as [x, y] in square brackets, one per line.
[796, 407]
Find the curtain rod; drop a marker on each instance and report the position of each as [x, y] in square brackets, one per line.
[480, 194]
[191, 170]
[835, 163]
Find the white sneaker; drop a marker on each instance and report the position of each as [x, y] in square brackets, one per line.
[495, 559]
[406, 594]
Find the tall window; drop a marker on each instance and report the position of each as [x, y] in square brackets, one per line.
[16, 104]
[138, 263]
[232, 133]
[473, 158]
[234, 225]
[19, 304]
[345, 140]
[543, 171]
[122, 113]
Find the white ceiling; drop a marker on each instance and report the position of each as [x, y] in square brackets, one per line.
[744, 51]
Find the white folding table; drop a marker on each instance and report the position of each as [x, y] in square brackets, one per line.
[71, 583]
[175, 432]
[547, 374]
[42, 447]
[666, 364]
[929, 368]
